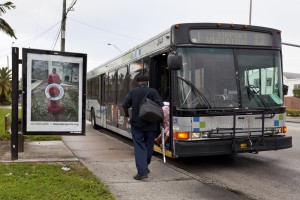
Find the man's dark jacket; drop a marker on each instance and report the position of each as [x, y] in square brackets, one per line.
[134, 99]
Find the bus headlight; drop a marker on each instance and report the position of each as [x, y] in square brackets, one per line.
[205, 134]
[190, 135]
[278, 130]
[281, 129]
[196, 135]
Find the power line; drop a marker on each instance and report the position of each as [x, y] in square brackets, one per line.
[56, 38]
[39, 35]
[71, 6]
[38, 18]
[33, 38]
[105, 30]
[289, 44]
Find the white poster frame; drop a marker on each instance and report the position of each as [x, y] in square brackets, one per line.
[54, 118]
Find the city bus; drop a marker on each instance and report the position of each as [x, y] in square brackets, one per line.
[223, 82]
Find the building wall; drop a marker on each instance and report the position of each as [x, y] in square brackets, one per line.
[292, 102]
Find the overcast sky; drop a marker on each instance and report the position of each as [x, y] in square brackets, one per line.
[126, 23]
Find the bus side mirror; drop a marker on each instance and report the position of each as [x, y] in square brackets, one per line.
[174, 62]
[285, 89]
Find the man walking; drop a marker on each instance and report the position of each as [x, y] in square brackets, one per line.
[143, 132]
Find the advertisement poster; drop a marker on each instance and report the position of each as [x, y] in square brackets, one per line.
[54, 92]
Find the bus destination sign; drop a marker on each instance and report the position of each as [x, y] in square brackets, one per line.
[230, 37]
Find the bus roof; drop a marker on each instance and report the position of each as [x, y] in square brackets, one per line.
[152, 45]
[163, 40]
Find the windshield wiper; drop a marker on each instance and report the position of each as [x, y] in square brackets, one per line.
[200, 97]
[252, 91]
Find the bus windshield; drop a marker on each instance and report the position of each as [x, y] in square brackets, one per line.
[260, 78]
[228, 78]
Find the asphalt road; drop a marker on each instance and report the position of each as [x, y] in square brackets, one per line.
[272, 175]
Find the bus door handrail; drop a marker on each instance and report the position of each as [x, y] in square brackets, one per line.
[234, 126]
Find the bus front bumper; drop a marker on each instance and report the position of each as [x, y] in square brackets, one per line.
[223, 147]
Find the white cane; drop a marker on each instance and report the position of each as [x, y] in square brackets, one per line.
[163, 144]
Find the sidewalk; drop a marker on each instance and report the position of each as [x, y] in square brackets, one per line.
[42, 151]
[112, 161]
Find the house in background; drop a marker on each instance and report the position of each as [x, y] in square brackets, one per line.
[293, 81]
[68, 72]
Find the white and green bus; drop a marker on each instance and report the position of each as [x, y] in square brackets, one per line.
[223, 82]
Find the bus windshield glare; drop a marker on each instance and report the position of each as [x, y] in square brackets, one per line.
[228, 78]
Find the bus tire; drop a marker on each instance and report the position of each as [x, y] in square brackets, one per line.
[93, 119]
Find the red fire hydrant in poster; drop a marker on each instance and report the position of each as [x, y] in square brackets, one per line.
[54, 91]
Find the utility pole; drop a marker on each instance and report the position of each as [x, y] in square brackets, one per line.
[250, 12]
[14, 107]
[63, 27]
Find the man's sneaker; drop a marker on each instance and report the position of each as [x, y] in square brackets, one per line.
[140, 177]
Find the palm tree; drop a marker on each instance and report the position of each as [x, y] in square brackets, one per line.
[5, 84]
[4, 26]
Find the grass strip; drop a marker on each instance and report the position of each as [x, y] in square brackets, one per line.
[3, 135]
[50, 181]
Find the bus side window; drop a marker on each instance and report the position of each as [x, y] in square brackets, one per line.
[111, 87]
[107, 91]
[95, 88]
[114, 87]
[122, 84]
[102, 89]
[89, 89]
[135, 69]
[146, 66]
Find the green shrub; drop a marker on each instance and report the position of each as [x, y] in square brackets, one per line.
[293, 113]
[296, 92]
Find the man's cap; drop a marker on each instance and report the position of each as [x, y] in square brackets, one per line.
[142, 78]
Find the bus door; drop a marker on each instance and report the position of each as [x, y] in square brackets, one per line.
[159, 75]
[159, 79]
